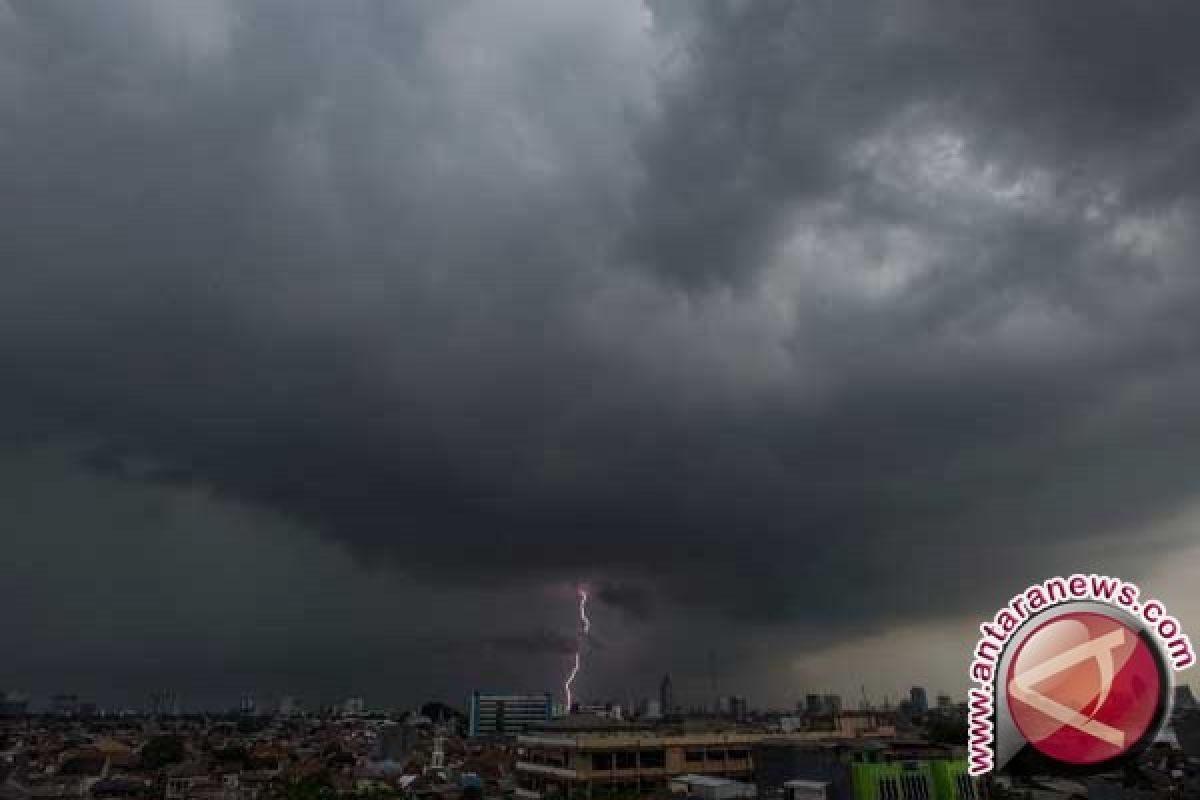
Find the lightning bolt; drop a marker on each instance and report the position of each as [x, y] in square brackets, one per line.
[585, 627]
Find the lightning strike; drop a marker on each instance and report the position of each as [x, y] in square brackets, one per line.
[585, 627]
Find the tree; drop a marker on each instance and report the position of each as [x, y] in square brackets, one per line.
[310, 787]
[163, 751]
[948, 731]
[233, 754]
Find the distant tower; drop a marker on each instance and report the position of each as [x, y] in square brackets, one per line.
[666, 697]
[918, 699]
[438, 760]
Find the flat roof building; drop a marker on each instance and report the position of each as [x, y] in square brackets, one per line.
[595, 758]
[861, 770]
[507, 714]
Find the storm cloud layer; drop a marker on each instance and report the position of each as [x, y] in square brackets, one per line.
[726, 308]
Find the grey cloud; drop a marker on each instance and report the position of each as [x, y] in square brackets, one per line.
[537, 642]
[635, 601]
[722, 308]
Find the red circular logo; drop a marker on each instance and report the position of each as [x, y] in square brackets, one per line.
[1084, 687]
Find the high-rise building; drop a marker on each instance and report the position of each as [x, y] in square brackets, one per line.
[500, 714]
[13, 704]
[666, 696]
[832, 703]
[65, 705]
[164, 703]
[945, 702]
[354, 706]
[652, 709]
[1184, 699]
[813, 704]
[247, 706]
[918, 699]
[733, 706]
[289, 706]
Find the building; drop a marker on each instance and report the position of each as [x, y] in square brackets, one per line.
[706, 787]
[13, 704]
[592, 758]
[806, 790]
[666, 696]
[912, 780]
[918, 700]
[861, 770]
[1184, 699]
[495, 714]
[813, 704]
[606, 710]
[832, 703]
[733, 706]
[395, 742]
[164, 703]
[64, 705]
[1187, 732]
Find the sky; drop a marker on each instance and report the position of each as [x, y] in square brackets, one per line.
[342, 341]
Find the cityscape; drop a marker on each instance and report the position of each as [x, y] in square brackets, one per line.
[599, 399]
[529, 746]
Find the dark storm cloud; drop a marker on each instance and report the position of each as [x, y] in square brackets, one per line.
[537, 642]
[634, 600]
[767, 302]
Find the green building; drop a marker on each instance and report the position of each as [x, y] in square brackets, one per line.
[912, 780]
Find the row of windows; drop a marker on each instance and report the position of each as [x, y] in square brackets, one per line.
[694, 756]
[908, 787]
[551, 758]
[629, 759]
[623, 789]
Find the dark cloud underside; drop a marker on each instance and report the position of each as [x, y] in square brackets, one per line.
[720, 307]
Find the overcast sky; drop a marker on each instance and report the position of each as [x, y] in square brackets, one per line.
[340, 341]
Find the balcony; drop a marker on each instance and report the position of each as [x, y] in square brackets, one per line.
[545, 769]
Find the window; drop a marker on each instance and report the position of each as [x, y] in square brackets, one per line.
[692, 756]
[626, 759]
[653, 759]
[916, 787]
[602, 761]
[716, 755]
[737, 755]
